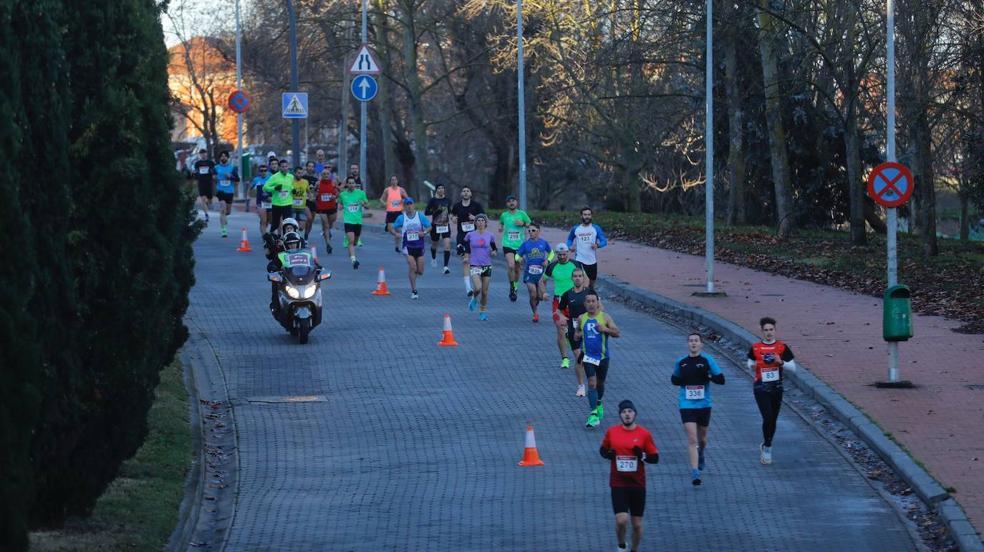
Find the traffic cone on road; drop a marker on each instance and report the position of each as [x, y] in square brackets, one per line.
[381, 288]
[447, 340]
[530, 455]
[244, 243]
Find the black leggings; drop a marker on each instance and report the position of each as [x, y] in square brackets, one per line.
[768, 397]
[277, 214]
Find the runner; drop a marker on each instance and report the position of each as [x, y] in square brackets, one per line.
[512, 228]
[319, 162]
[585, 240]
[534, 252]
[353, 201]
[693, 373]
[411, 226]
[205, 175]
[326, 205]
[626, 446]
[595, 327]
[392, 197]
[439, 208]
[299, 197]
[481, 247]
[569, 310]
[263, 205]
[226, 176]
[560, 271]
[770, 359]
[463, 216]
[312, 193]
[281, 185]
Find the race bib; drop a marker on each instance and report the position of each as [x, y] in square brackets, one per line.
[467, 226]
[512, 236]
[267, 205]
[592, 360]
[476, 270]
[442, 229]
[586, 238]
[626, 463]
[770, 375]
[203, 170]
[535, 269]
[353, 208]
[694, 392]
[413, 236]
[283, 195]
[326, 197]
[299, 202]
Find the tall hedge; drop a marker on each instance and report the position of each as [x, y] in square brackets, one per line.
[95, 273]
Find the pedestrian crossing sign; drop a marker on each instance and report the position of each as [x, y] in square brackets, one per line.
[294, 105]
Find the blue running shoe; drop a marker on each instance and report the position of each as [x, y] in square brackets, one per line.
[473, 304]
[483, 316]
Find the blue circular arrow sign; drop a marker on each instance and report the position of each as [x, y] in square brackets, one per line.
[364, 88]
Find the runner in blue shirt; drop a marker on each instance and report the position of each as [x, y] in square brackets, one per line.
[534, 252]
[594, 327]
[263, 205]
[226, 177]
[693, 374]
[412, 226]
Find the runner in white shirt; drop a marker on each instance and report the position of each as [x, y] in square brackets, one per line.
[584, 240]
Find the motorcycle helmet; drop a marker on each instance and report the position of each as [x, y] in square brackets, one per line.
[289, 221]
[292, 241]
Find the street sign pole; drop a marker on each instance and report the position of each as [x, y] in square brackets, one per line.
[239, 116]
[295, 125]
[893, 224]
[363, 108]
[522, 105]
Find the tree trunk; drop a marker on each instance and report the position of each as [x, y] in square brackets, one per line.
[873, 218]
[416, 108]
[382, 34]
[736, 146]
[923, 174]
[773, 111]
[964, 216]
[856, 187]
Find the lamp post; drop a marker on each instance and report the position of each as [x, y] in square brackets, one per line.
[363, 106]
[520, 77]
[709, 290]
[295, 125]
[239, 116]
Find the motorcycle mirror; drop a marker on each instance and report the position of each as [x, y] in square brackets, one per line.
[325, 276]
[274, 277]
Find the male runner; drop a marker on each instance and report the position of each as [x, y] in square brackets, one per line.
[320, 165]
[205, 175]
[561, 271]
[534, 252]
[463, 216]
[263, 205]
[693, 373]
[281, 185]
[326, 205]
[392, 197]
[226, 176]
[585, 240]
[410, 228]
[512, 227]
[312, 192]
[299, 197]
[770, 359]
[569, 310]
[595, 327]
[439, 209]
[627, 446]
[353, 201]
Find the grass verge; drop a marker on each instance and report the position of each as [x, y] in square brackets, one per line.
[139, 509]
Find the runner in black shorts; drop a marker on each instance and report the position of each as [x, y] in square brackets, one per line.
[626, 447]
[205, 176]
[439, 211]
[693, 373]
[463, 216]
[570, 308]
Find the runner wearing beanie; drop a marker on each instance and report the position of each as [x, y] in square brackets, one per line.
[626, 446]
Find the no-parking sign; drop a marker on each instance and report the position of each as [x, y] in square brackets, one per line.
[890, 184]
[239, 101]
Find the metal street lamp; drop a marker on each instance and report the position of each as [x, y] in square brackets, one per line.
[522, 105]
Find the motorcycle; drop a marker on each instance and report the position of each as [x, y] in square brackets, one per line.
[298, 293]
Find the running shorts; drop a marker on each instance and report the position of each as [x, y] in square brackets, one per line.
[700, 416]
[437, 236]
[480, 271]
[531, 278]
[391, 216]
[415, 253]
[224, 196]
[574, 343]
[592, 370]
[312, 205]
[590, 270]
[326, 211]
[507, 250]
[354, 229]
[631, 500]
[205, 190]
[301, 216]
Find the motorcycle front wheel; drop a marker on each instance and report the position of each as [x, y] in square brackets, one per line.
[303, 329]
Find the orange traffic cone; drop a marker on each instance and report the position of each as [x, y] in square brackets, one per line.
[381, 288]
[530, 456]
[244, 243]
[448, 339]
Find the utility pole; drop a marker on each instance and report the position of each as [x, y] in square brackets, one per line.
[709, 158]
[239, 116]
[363, 109]
[522, 105]
[295, 125]
[893, 221]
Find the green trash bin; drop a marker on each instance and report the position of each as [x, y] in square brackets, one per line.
[897, 323]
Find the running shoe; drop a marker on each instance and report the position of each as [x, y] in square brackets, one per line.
[536, 317]
[766, 457]
[600, 410]
[593, 421]
[359, 243]
[700, 458]
[414, 295]
[473, 303]
[397, 249]
[328, 248]
[483, 316]
[355, 264]
[512, 295]
[447, 270]
[566, 363]
[434, 263]
[696, 482]
[622, 549]
[580, 391]
[225, 233]
[206, 217]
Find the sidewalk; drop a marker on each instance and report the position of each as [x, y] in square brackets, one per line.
[837, 335]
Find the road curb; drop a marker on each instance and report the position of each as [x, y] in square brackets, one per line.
[924, 485]
[191, 502]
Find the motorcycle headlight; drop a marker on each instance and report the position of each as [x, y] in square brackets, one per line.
[309, 290]
[293, 292]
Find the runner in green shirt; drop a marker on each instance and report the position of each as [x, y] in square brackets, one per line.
[352, 202]
[561, 271]
[281, 186]
[512, 226]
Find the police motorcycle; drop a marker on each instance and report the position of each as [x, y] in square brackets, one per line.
[296, 278]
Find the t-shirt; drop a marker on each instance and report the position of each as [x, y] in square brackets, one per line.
[581, 237]
[261, 196]
[480, 245]
[281, 198]
[439, 209]
[535, 252]
[696, 371]
[204, 169]
[513, 235]
[412, 229]
[572, 303]
[777, 349]
[224, 175]
[461, 212]
[624, 441]
[562, 275]
[351, 203]
[300, 193]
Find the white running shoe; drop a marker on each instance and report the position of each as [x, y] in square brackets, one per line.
[580, 391]
[766, 457]
[447, 270]
[434, 263]
[414, 295]
[622, 548]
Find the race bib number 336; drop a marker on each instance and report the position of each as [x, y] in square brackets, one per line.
[694, 392]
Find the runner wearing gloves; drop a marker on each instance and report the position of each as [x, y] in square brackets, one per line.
[770, 359]
[594, 327]
[693, 373]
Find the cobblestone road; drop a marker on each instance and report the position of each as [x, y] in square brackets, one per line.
[406, 446]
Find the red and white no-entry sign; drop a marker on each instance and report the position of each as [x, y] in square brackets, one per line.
[890, 184]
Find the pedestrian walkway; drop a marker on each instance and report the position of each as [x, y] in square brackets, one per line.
[837, 334]
[371, 437]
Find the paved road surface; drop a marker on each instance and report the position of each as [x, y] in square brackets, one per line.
[413, 447]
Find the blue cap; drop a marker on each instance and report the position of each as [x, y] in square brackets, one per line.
[510, 197]
[408, 201]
